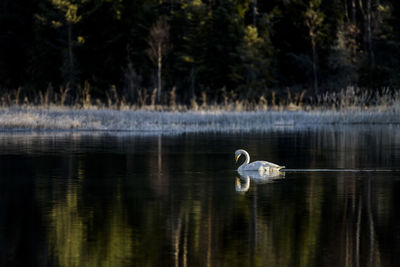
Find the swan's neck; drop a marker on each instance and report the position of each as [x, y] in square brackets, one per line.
[246, 161]
[242, 188]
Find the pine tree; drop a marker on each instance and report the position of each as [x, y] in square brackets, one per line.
[313, 20]
[62, 16]
[193, 21]
[254, 71]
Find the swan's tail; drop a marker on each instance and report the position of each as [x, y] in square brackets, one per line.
[281, 167]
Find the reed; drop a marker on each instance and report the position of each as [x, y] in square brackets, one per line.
[193, 103]
[142, 96]
[172, 98]
[273, 100]
[153, 98]
[86, 96]
[349, 98]
[17, 95]
[64, 94]
[204, 100]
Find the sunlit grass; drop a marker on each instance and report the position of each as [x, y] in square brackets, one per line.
[55, 118]
[349, 98]
[59, 111]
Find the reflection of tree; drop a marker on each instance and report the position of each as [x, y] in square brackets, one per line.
[283, 233]
[67, 230]
[158, 169]
[373, 259]
[356, 234]
[311, 233]
[70, 235]
[105, 209]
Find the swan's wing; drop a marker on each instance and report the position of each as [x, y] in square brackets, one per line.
[253, 166]
[271, 165]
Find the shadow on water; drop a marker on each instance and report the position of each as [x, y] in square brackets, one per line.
[76, 199]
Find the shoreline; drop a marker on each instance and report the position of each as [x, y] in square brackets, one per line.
[68, 119]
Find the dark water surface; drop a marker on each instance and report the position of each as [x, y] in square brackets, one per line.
[78, 199]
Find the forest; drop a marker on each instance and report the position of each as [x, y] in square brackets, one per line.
[175, 51]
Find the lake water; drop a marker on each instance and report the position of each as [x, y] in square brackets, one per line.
[80, 199]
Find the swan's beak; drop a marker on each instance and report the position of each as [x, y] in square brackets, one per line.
[237, 183]
[236, 158]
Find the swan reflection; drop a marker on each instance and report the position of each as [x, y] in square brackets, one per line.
[242, 184]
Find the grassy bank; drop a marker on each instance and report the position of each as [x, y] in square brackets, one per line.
[50, 111]
[17, 118]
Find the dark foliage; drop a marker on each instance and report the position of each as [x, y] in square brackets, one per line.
[214, 46]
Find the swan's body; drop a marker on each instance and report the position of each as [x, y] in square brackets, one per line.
[262, 167]
[261, 177]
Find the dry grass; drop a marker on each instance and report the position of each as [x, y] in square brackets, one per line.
[140, 121]
[62, 110]
[349, 98]
[359, 98]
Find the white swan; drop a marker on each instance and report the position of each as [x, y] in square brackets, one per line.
[262, 178]
[263, 167]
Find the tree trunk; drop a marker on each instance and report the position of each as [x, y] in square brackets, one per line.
[314, 65]
[371, 58]
[367, 21]
[353, 12]
[159, 66]
[192, 83]
[255, 13]
[70, 64]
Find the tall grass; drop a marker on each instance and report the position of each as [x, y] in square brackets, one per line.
[353, 98]
[63, 110]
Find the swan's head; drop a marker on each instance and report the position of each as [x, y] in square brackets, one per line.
[238, 153]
